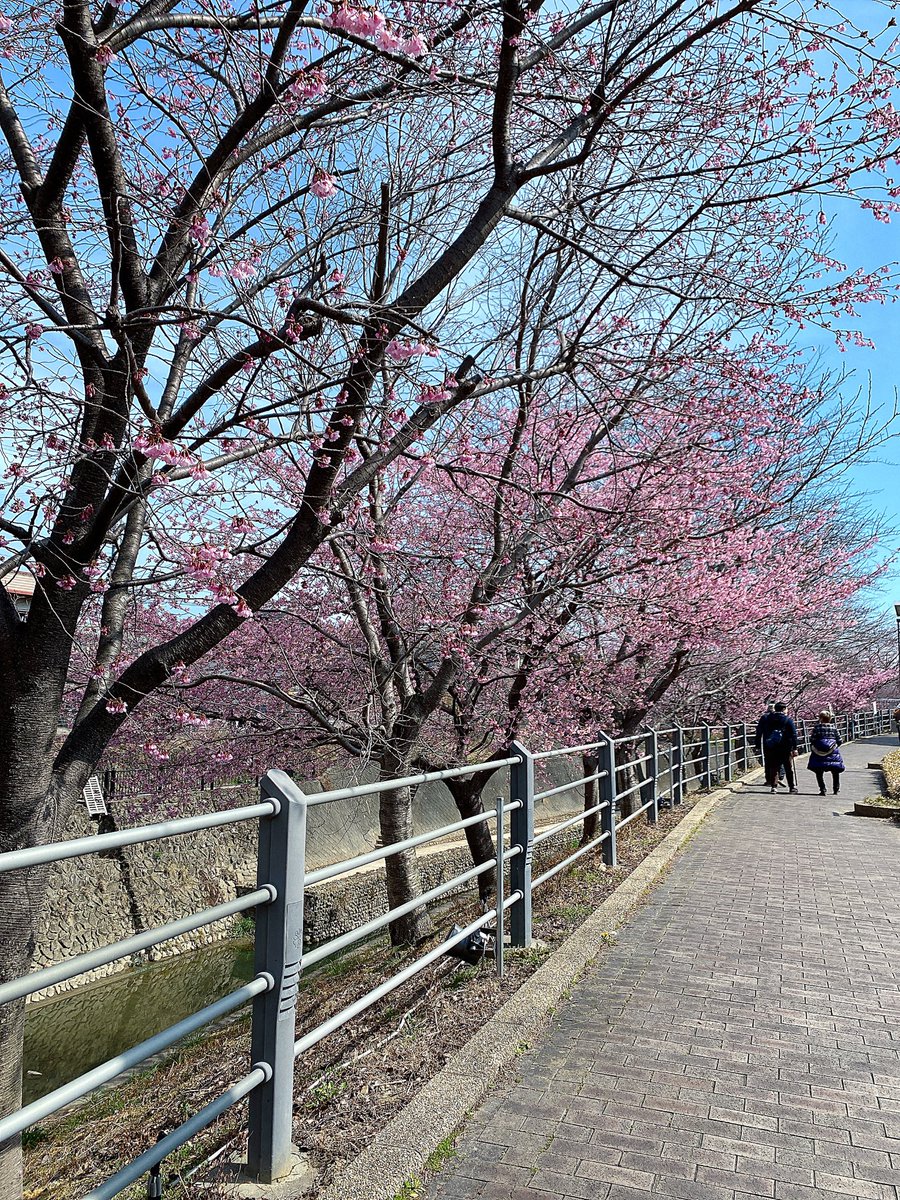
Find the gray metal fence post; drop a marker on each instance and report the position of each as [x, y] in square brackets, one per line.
[652, 768]
[745, 747]
[278, 951]
[729, 771]
[707, 757]
[521, 825]
[678, 766]
[606, 788]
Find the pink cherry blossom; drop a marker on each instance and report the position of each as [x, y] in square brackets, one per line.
[308, 85]
[199, 230]
[323, 184]
[400, 350]
[415, 46]
[389, 41]
[242, 270]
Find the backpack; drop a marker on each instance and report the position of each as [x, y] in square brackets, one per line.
[775, 736]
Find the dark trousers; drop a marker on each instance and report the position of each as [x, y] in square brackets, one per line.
[835, 780]
[774, 764]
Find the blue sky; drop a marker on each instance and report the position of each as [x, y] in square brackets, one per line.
[860, 240]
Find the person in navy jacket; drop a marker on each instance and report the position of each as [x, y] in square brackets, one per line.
[776, 738]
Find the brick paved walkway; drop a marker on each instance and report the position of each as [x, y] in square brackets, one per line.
[742, 1039]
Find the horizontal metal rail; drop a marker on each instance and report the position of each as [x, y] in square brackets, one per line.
[561, 825]
[420, 839]
[117, 1183]
[568, 787]
[47, 1105]
[60, 972]
[359, 1006]
[14, 860]
[388, 785]
[631, 816]
[567, 862]
[544, 754]
[363, 931]
[635, 787]
[633, 762]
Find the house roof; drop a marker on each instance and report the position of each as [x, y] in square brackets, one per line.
[19, 584]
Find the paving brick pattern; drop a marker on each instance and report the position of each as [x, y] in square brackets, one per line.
[743, 1037]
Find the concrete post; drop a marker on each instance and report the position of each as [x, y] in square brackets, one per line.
[678, 766]
[606, 790]
[500, 891]
[521, 787]
[729, 772]
[278, 952]
[652, 749]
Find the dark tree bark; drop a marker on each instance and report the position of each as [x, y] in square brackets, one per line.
[466, 794]
[591, 823]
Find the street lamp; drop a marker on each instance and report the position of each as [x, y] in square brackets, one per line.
[897, 613]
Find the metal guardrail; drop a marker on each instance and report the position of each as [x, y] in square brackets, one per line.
[653, 766]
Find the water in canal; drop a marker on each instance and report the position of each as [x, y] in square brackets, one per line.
[71, 1033]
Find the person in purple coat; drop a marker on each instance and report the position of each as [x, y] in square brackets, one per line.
[824, 754]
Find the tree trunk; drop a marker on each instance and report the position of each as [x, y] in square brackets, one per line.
[33, 809]
[402, 877]
[466, 794]
[21, 900]
[628, 781]
[592, 823]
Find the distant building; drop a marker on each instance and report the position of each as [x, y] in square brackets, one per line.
[21, 588]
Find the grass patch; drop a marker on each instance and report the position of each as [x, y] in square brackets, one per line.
[441, 1154]
[244, 926]
[324, 1093]
[461, 977]
[576, 913]
[411, 1190]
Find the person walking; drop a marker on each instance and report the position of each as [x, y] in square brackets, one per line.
[769, 709]
[824, 754]
[776, 737]
[896, 715]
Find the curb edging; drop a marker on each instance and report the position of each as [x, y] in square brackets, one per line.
[401, 1149]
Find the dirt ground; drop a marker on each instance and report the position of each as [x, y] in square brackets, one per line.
[349, 1085]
